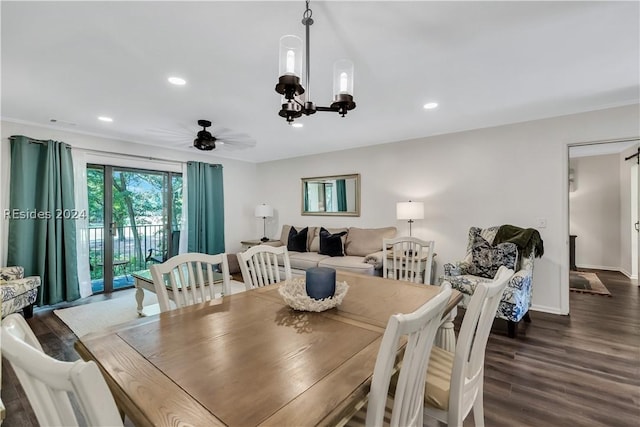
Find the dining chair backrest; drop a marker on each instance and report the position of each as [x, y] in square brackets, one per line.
[467, 368]
[47, 382]
[191, 278]
[405, 258]
[420, 329]
[259, 265]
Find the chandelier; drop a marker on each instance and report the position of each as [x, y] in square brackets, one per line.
[290, 70]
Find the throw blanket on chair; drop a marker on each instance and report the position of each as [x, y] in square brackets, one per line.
[527, 239]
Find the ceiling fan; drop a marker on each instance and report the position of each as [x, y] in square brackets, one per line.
[207, 140]
[204, 140]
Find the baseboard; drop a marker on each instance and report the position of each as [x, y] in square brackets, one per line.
[599, 267]
[546, 309]
[629, 275]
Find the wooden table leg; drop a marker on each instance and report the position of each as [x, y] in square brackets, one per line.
[139, 297]
[446, 336]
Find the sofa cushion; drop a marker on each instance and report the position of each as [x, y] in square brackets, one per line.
[315, 239]
[331, 244]
[364, 241]
[304, 260]
[487, 259]
[284, 234]
[354, 264]
[297, 240]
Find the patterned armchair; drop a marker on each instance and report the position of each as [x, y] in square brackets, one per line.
[18, 292]
[516, 249]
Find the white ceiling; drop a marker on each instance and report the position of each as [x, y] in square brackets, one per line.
[486, 63]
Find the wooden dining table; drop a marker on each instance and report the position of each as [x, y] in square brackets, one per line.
[249, 359]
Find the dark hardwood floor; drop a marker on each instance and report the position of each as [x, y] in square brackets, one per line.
[577, 370]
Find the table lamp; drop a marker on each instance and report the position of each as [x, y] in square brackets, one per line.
[264, 211]
[410, 210]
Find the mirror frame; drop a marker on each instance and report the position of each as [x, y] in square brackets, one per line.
[355, 176]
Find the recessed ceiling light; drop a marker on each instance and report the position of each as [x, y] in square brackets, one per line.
[297, 125]
[177, 81]
[105, 119]
[430, 105]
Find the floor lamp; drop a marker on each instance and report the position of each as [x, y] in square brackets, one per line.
[410, 210]
[264, 211]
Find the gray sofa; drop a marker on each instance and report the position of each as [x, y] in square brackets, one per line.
[362, 250]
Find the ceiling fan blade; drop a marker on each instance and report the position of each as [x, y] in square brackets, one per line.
[237, 144]
[231, 134]
[169, 133]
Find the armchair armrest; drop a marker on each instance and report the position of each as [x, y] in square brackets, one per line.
[375, 259]
[11, 273]
[15, 287]
[520, 280]
[458, 269]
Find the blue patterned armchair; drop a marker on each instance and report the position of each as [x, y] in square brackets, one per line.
[515, 248]
[18, 292]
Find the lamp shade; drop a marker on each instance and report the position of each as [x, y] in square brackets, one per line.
[410, 210]
[264, 211]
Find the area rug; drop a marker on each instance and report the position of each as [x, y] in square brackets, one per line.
[587, 283]
[122, 308]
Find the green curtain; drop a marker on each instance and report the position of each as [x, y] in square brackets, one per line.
[341, 190]
[42, 231]
[205, 210]
[306, 197]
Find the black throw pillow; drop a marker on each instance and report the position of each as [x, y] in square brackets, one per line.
[297, 241]
[331, 244]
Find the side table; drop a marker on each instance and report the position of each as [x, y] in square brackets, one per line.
[246, 244]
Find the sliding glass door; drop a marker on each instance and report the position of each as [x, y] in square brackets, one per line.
[135, 218]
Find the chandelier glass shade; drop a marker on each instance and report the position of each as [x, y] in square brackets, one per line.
[290, 65]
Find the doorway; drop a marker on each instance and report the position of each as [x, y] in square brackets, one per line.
[603, 206]
[134, 218]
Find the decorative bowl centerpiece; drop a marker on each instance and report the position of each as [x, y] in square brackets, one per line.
[294, 293]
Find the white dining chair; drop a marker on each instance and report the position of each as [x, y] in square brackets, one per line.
[192, 278]
[48, 382]
[405, 408]
[259, 265]
[407, 258]
[455, 379]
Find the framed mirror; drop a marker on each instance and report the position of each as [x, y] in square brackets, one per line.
[337, 195]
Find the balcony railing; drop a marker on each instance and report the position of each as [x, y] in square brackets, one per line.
[129, 253]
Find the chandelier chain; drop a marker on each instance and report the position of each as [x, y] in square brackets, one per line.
[308, 12]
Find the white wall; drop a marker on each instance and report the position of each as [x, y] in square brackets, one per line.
[515, 174]
[595, 211]
[239, 177]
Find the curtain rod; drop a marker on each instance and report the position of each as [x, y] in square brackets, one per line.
[109, 153]
[124, 156]
[38, 141]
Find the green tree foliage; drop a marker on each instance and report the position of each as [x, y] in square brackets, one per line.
[138, 200]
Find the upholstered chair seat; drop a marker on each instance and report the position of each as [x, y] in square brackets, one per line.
[18, 292]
